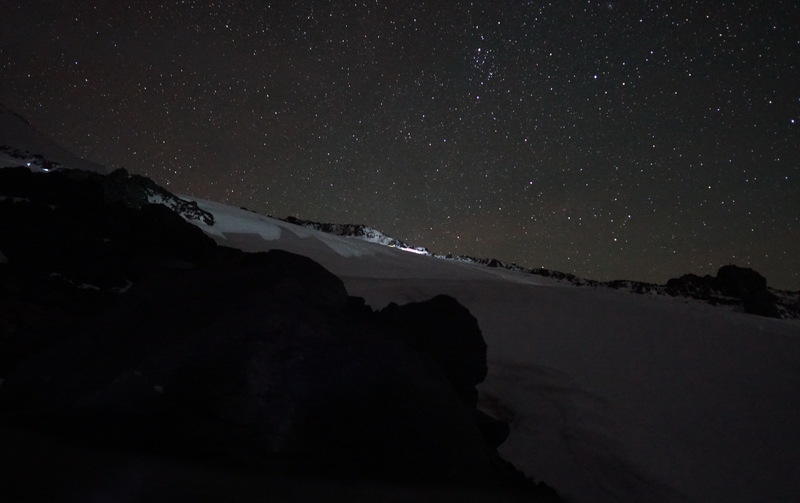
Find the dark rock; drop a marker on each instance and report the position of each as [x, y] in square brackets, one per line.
[739, 282]
[82, 189]
[762, 303]
[63, 223]
[692, 285]
[253, 362]
[446, 332]
[125, 325]
[750, 286]
[733, 285]
[494, 431]
[137, 191]
[493, 262]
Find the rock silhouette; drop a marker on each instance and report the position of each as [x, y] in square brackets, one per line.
[122, 324]
[732, 285]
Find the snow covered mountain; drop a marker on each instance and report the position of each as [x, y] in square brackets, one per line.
[610, 396]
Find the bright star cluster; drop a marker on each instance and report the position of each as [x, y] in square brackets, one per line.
[633, 139]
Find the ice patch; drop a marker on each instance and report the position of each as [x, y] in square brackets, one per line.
[239, 228]
[342, 248]
[228, 220]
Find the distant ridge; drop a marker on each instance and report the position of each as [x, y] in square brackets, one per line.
[749, 292]
[360, 231]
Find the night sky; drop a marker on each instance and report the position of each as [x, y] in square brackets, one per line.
[615, 139]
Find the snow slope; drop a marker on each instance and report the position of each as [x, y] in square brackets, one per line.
[344, 256]
[611, 396]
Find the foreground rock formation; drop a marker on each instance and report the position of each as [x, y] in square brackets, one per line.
[124, 327]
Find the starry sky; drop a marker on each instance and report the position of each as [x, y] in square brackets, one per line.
[614, 139]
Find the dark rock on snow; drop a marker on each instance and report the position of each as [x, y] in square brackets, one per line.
[446, 332]
[751, 287]
[124, 326]
[732, 285]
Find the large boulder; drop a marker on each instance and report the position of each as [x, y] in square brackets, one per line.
[262, 362]
[732, 285]
[446, 332]
[739, 282]
[750, 286]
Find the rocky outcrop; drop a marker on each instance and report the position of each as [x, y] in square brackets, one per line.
[74, 188]
[258, 359]
[138, 191]
[122, 324]
[750, 286]
[65, 225]
[444, 331]
[732, 285]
